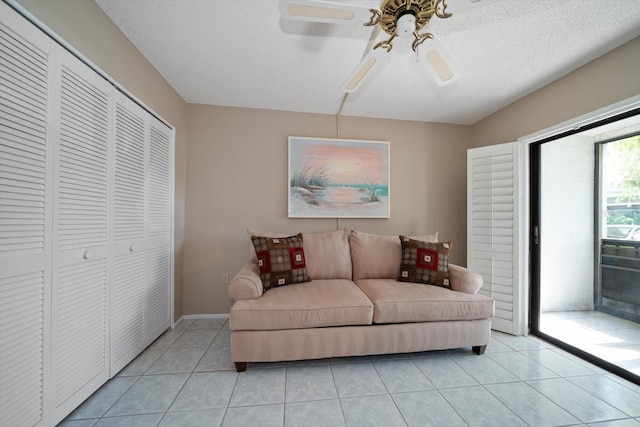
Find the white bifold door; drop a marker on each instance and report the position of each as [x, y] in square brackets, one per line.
[26, 183]
[141, 200]
[80, 317]
[494, 230]
[85, 227]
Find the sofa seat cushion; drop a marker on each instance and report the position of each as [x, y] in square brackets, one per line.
[398, 302]
[319, 303]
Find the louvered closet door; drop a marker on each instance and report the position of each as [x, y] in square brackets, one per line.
[128, 336]
[160, 202]
[493, 229]
[25, 230]
[80, 291]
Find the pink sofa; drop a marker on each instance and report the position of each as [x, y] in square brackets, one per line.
[354, 305]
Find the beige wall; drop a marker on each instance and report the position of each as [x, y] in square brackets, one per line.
[237, 178]
[88, 29]
[609, 79]
[233, 173]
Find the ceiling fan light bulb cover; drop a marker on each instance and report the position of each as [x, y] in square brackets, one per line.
[406, 25]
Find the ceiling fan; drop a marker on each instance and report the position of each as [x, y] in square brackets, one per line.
[396, 18]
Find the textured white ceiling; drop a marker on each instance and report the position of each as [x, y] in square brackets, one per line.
[241, 53]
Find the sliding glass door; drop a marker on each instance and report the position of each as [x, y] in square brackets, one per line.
[585, 263]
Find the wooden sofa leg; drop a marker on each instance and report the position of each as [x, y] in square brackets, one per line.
[241, 366]
[478, 349]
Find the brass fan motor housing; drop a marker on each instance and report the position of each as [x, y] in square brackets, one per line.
[423, 10]
[392, 10]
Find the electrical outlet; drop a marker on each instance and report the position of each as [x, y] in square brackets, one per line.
[225, 278]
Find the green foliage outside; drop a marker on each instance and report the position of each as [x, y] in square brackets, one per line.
[627, 153]
[623, 218]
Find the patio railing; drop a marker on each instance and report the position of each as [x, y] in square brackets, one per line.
[620, 268]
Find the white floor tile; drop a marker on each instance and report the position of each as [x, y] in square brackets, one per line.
[442, 372]
[521, 366]
[427, 409]
[205, 390]
[531, 406]
[150, 394]
[483, 369]
[148, 420]
[584, 406]
[103, 399]
[479, 408]
[177, 360]
[195, 338]
[259, 387]
[402, 376]
[198, 418]
[615, 394]
[207, 324]
[371, 411]
[558, 363]
[79, 423]
[317, 413]
[263, 416]
[140, 364]
[216, 359]
[186, 378]
[357, 379]
[306, 383]
[630, 422]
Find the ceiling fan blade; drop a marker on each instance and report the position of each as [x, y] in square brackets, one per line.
[458, 7]
[323, 11]
[364, 69]
[438, 63]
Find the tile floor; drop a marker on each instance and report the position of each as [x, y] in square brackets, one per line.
[607, 337]
[185, 378]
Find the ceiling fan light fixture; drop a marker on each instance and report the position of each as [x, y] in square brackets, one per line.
[406, 25]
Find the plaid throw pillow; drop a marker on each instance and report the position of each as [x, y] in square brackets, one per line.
[281, 260]
[424, 262]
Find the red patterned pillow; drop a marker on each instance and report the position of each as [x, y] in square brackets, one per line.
[281, 260]
[424, 262]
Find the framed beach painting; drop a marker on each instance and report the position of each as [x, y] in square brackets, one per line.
[338, 178]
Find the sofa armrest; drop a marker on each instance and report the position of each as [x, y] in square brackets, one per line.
[464, 280]
[247, 283]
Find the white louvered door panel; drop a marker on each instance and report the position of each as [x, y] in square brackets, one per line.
[128, 337]
[80, 357]
[493, 227]
[25, 227]
[159, 225]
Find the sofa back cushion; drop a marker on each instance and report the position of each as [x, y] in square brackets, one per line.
[327, 254]
[375, 256]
